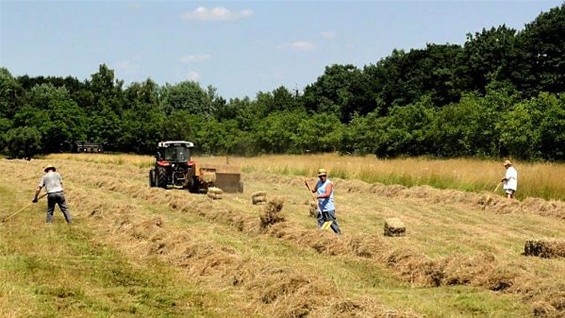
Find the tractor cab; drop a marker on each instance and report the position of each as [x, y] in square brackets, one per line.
[174, 151]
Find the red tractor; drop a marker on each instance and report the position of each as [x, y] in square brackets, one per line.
[174, 168]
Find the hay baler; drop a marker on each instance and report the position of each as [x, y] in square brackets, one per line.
[174, 168]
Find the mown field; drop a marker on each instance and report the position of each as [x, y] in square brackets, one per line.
[135, 251]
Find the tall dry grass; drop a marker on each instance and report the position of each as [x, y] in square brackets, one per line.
[543, 180]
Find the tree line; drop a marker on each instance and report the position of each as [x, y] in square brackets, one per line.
[501, 93]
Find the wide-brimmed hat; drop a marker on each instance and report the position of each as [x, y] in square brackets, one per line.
[507, 163]
[322, 172]
[48, 167]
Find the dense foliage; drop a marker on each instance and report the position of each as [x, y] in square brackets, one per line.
[499, 94]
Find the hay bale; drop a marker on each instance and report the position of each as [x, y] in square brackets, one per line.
[313, 209]
[259, 197]
[547, 248]
[270, 214]
[394, 227]
[215, 193]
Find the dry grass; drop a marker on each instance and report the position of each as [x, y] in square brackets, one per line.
[459, 248]
[543, 180]
[545, 248]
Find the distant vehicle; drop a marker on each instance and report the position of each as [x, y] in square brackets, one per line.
[89, 147]
[174, 168]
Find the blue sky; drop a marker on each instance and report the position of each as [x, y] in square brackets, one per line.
[239, 47]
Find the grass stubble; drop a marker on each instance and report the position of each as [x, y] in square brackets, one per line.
[461, 257]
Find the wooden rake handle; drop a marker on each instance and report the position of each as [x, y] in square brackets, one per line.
[20, 210]
[310, 190]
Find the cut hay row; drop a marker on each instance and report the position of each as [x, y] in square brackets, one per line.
[487, 201]
[483, 270]
[260, 287]
[546, 248]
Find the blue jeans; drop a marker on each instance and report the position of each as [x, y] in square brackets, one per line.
[329, 216]
[59, 199]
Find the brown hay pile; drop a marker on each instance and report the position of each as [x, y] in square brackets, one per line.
[547, 248]
[391, 190]
[259, 197]
[409, 263]
[351, 186]
[368, 245]
[323, 242]
[394, 227]
[271, 212]
[290, 293]
[484, 200]
[546, 208]
[421, 192]
[312, 208]
[215, 193]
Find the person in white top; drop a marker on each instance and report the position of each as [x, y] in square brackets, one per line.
[53, 184]
[510, 180]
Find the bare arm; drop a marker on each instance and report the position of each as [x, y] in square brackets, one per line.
[327, 193]
[37, 191]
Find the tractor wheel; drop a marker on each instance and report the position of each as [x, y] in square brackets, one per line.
[162, 177]
[152, 182]
[194, 185]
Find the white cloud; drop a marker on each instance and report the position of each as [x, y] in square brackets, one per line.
[126, 66]
[216, 14]
[302, 45]
[195, 58]
[193, 76]
[328, 35]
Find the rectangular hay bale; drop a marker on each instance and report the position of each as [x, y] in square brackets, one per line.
[394, 227]
[546, 248]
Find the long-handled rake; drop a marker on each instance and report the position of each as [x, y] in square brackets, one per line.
[20, 210]
[327, 225]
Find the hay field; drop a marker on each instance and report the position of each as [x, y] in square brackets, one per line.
[137, 251]
[539, 180]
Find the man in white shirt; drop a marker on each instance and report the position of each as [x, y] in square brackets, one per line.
[510, 180]
[53, 184]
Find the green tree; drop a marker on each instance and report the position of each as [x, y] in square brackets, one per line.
[187, 96]
[60, 121]
[142, 120]
[342, 90]
[519, 133]
[181, 125]
[363, 134]
[9, 88]
[533, 129]
[222, 138]
[23, 142]
[552, 128]
[465, 129]
[5, 125]
[543, 49]
[277, 132]
[406, 130]
[490, 55]
[106, 90]
[404, 78]
[319, 133]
